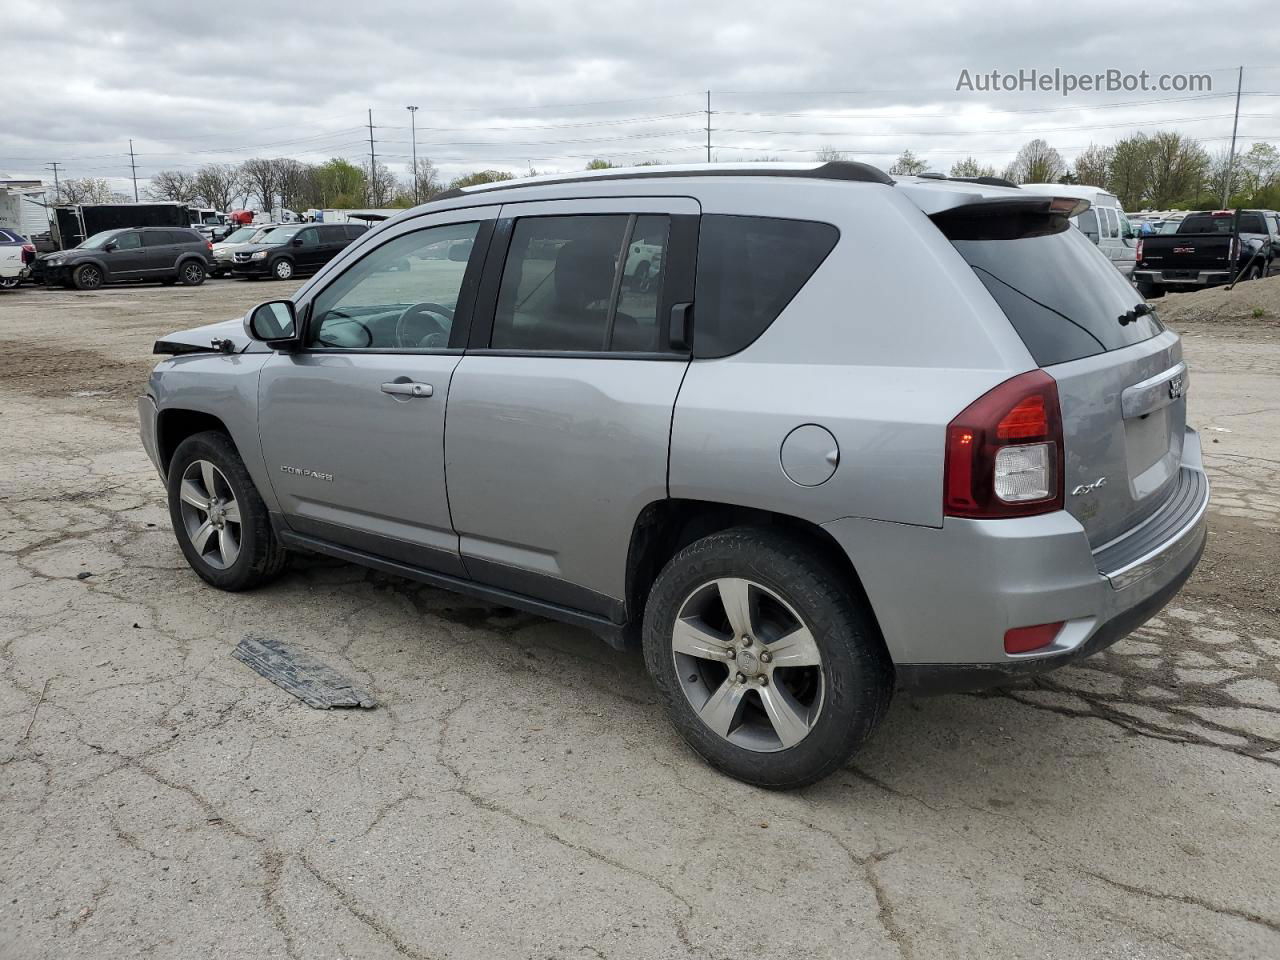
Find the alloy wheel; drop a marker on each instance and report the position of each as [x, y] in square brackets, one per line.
[192, 273]
[210, 514]
[748, 664]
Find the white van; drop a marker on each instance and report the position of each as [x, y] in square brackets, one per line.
[1104, 222]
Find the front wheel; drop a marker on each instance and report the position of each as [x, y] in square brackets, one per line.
[766, 662]
[1254, 273]
[218, 517]
[9, 283]
[87, 277]
[282, 269]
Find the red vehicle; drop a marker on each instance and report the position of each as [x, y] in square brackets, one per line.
[242, 218]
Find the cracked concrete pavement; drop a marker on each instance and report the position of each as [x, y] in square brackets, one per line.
[518, 792]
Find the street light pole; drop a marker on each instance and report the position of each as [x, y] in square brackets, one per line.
[413, 128]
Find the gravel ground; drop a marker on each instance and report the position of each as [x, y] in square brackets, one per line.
[518, 794]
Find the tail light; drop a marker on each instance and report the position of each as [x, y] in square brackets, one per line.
[1234, 254]
[28, 252]
[1137, 252]
[209, 244]
[1004, 452]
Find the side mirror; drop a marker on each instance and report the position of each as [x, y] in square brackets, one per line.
[460, 252]
[110, 246]
[296, 241]
[275, 323]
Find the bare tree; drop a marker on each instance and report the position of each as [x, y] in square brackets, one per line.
[85, 190]
[262, 181]
[172, 185]
[908, 165]
[829, 154]
[292, 181]
[1093, 165]
[219, 185]
[970, 167]
[1037, 162]
[380, 185]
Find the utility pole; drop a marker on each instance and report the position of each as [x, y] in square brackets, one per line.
[413, 135]
[57, 184]
[133, 165]
[708, 126]
[373, 163]
[1231, 158]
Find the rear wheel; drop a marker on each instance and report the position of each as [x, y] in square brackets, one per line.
[1253, 273]
[191, 273]
[87, 277]
[218, 517]
[769, 668]
[282, 269]
[9, 283]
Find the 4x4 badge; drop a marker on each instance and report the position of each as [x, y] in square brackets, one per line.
[1175, 387]
[1089, 487]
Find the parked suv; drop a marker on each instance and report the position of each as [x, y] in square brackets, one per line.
[164, 254]
[224, 250]
[16, 252]
[796, 473]
[294, 249]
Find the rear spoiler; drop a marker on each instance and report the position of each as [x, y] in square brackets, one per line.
[1008, 218]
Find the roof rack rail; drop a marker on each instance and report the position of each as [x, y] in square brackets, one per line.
[985, 181]
[833, 170]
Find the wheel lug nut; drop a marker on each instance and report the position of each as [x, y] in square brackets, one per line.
[732, 653]
[740, 678]
[764, 681]
[746, 641]
[766, 657]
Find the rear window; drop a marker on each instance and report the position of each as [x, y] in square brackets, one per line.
[1209, 223]
[1061, 294]
[354, 230]
[749, 269]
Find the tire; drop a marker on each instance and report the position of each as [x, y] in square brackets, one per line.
[825, 707]
[1254, 273]
[233, 554]
[282, 269]
[87, 277]
[191, 273]
[10, 283]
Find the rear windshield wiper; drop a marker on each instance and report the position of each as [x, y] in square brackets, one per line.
[1141, 310]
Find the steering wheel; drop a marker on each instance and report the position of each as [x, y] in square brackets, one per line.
[416, 327]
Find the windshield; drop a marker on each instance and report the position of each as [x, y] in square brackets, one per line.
[243, 235]
[277, 237]
[98, 240]
[1063, 296]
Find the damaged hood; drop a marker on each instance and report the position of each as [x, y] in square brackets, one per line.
[225, 337]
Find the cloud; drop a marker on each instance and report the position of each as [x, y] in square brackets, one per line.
[552, 84]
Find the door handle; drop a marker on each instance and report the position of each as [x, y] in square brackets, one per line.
[407, 389]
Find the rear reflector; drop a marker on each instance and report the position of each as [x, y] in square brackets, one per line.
[1026, 639]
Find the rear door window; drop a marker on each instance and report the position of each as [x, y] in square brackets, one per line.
[749, 269]
[1061, 294]
[590, 282]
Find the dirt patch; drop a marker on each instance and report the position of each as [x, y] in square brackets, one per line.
[1256, 303]
[43, 371]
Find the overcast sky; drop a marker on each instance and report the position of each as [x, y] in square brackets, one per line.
[511, 85]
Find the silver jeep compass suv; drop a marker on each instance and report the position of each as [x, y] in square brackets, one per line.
[806, 432]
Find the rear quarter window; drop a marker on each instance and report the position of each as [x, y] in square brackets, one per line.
[749, 269]
[1061, 294]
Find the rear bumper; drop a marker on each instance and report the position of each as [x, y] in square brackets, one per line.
[1202, 278]
[944, 597]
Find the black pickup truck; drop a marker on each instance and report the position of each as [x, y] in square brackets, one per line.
[1209, 248]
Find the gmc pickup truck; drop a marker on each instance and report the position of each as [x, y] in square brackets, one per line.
[1209, 248]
